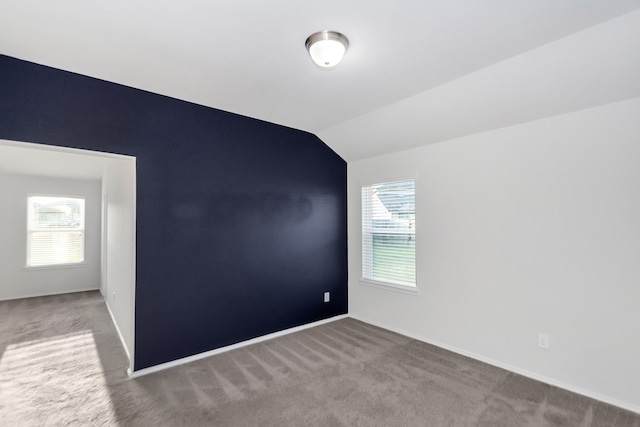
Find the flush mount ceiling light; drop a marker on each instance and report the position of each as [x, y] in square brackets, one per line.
[326, 48]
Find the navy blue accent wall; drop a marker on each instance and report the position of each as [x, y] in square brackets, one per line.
[241, 224]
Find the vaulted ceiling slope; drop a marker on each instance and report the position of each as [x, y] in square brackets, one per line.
[417, 71]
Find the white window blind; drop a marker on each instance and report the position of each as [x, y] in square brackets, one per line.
[389, 232]
[55, 232]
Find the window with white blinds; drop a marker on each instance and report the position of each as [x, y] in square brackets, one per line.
[55, 234]
[389, 233]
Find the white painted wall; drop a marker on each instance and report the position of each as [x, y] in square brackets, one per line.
[119, 190]
[526, 229]
[17, 281]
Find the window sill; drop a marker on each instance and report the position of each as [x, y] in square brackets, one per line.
[410, 290]
[55, 266]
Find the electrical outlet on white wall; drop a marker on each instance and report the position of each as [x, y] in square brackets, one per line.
[543, 340]
[327, 296]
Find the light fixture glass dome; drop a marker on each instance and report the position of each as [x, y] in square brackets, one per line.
[327, 48]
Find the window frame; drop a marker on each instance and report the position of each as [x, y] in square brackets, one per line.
[30, 230]
[386, 284]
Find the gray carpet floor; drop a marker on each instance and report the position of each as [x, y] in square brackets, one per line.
[61, 364]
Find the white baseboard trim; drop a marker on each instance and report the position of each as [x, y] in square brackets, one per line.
[173, 363]
[113, 320]
[523, 372]
[46, 294]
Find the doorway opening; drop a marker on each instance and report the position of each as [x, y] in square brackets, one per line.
[111, 180]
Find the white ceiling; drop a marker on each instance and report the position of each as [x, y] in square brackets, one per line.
[417, 71]
[19, 158]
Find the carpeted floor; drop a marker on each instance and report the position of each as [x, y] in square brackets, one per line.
[61, 363]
